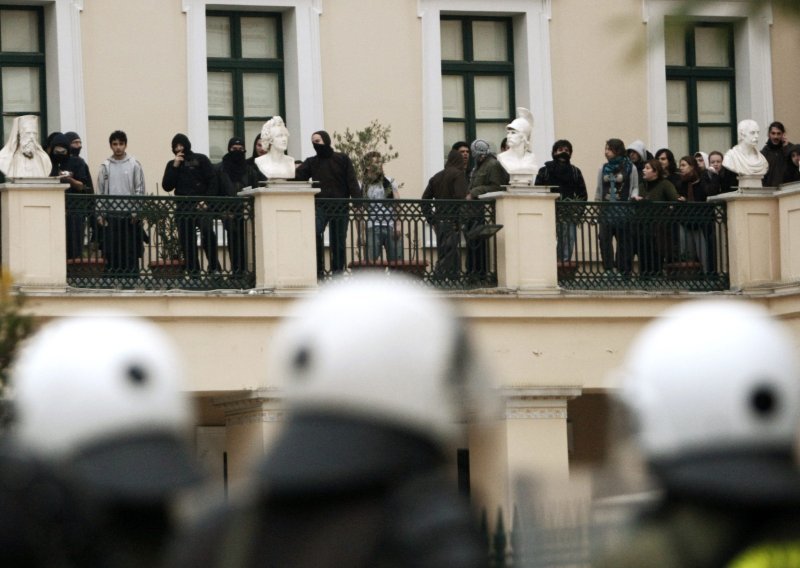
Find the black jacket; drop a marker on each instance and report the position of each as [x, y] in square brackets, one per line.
[194, 177]
[229, 185]
[335, 174]
[567, 177]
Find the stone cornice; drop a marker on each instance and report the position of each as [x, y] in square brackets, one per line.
[537, 403]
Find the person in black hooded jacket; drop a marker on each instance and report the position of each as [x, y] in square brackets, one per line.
[233, 175]
[190, 174]
[337, 180]
[74, 171]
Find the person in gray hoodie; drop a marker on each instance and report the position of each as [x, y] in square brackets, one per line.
[121, 174]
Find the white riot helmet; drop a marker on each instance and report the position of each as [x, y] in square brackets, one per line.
[711, 385]
[382, 349]
[104, 393]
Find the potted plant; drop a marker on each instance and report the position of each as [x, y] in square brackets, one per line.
[163, 235]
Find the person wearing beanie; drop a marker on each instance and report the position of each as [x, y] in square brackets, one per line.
[233, 175]
[335, 176]
[190, 174]
[487, 176]
[75, 143]
[566, 180]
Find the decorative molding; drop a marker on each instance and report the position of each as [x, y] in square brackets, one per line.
[536, 414]
[264, 417]
[78, 5]
[538, 403]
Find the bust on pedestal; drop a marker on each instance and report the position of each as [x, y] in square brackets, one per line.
[275, 164]
[518, 160]
[22, 156]
[744, 159]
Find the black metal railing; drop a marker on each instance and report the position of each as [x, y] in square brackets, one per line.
[154, 242]
[642, 245]
[449, 244]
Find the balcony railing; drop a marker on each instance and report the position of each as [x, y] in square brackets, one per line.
[642, 245]
[448, 244]
[152, 242]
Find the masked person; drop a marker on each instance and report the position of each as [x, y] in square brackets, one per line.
[233, 175]
[567, 181]
[72, 170]
[190, 174]
[336, 176]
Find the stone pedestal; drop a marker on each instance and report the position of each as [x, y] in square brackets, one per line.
[750, 182]
[526, 246]
[754, 247]
[34, 240]
[285, 235]
[532, 442]
[789, 223]
[253, 420]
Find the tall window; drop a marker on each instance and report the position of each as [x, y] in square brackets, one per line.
[701, 104]
[477, 78]
[22, 84]
[245, 75]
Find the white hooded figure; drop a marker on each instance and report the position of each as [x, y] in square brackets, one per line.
[518, 159]
[22, 156]
[745, 158]
[275, 164]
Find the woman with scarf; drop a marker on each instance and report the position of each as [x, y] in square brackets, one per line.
[617, 184]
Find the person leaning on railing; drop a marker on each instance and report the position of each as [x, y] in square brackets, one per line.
[694, 236]
[654, 236]
[448, 184]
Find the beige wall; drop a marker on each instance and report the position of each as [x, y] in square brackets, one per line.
[561, 340]
[786, 75]
[134, 79]
[371, 69]
[599, 77]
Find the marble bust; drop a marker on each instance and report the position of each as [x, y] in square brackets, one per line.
[518, 159]
[275, 164]
[22, 156]
[745, 158]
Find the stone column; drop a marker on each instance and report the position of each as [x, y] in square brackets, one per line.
[253, 420]
[34, 243]
[532, 442]
[526, 246]
[753, 237]
[285, 235]
[789, 224]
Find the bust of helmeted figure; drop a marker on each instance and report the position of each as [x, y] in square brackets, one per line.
[22, 157]
[745, 158]
[275, 164]
[518, 159]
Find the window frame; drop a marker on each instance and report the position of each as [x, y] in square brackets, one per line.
[239, 66]
[28, 59]
[690, 74]
[468, 69]
[753, 57]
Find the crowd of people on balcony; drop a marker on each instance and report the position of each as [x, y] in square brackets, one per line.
[630, 173]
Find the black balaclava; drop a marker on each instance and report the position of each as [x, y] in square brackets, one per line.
[235, 163]
[323, 150]
[182, 139]
[71, 137]
[58, 160]
[49, 143]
